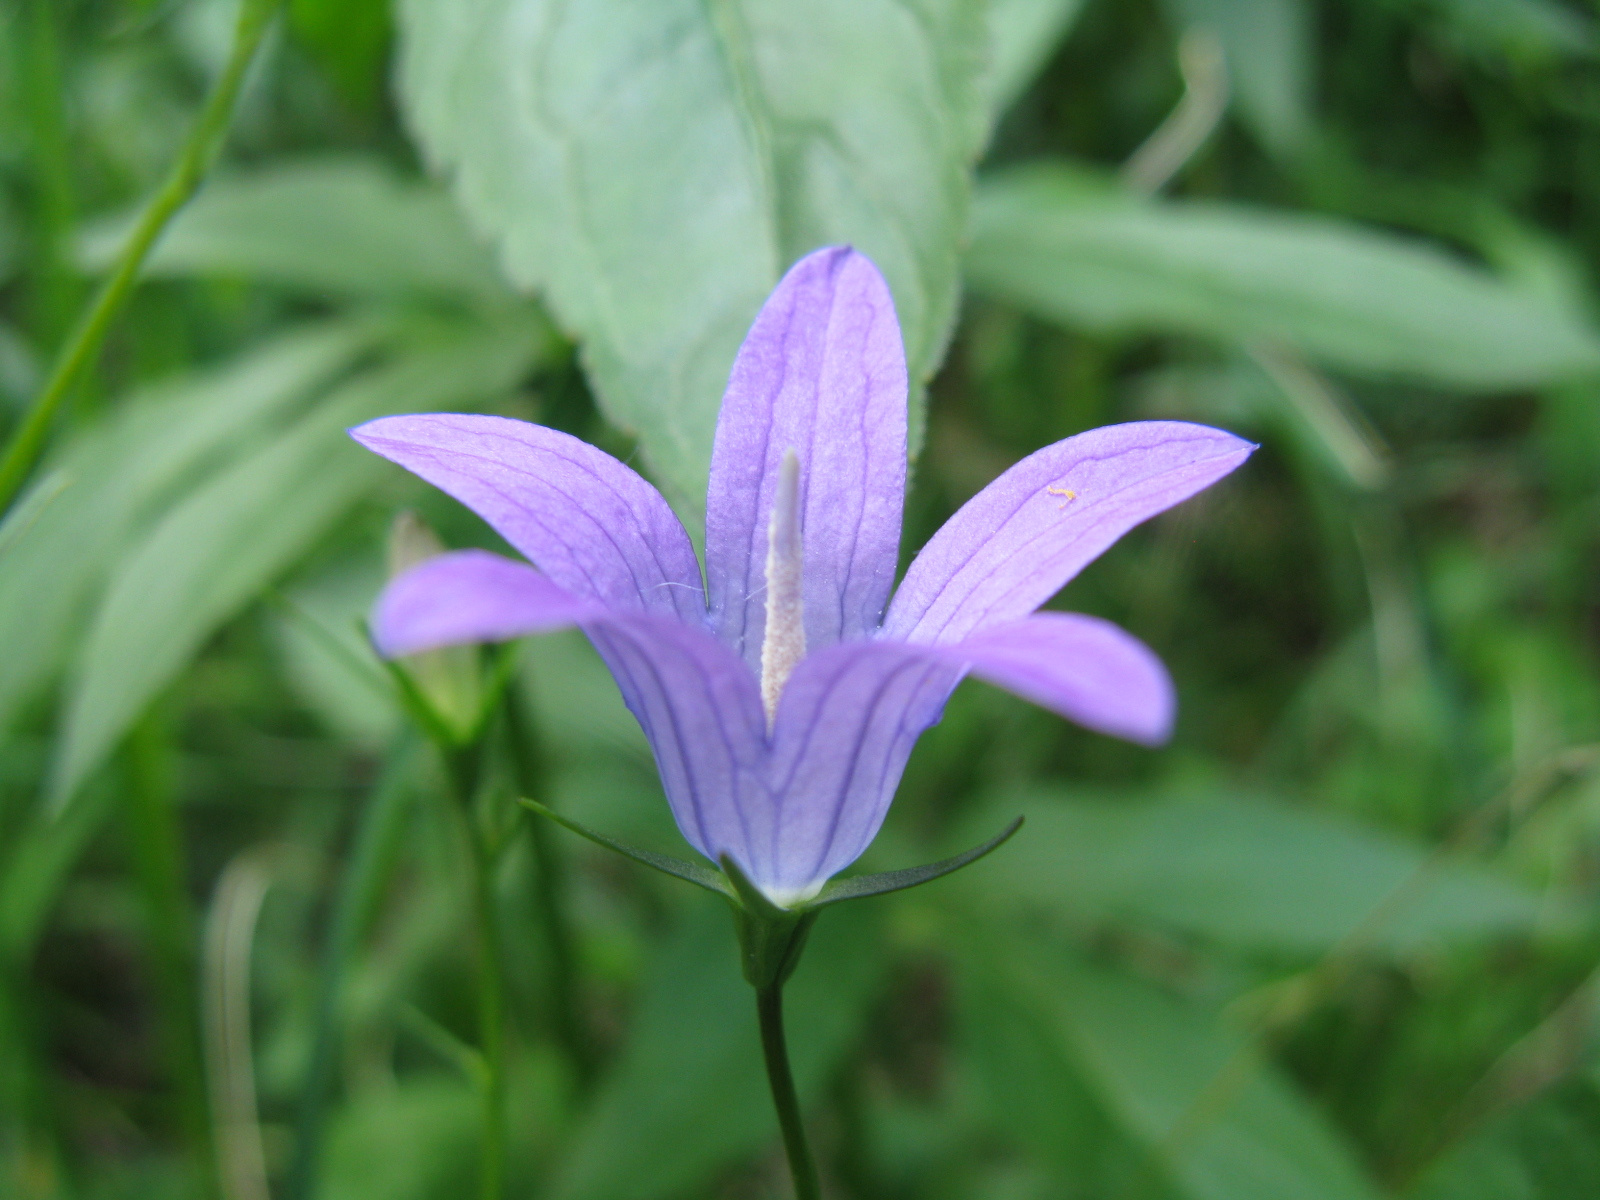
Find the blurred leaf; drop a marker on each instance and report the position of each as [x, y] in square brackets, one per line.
[114, 478]
[328, 661]
[1022, 36]
[1074, 250]
[341, 225]
[652, 168]
[21, 517]
[19, 368]
[1518, 28]
[350, 38]
[1549, 1150]
[417, 1139]
[213, 552]
[1244, 873]
[1267, 47]
[37, 861]
[577, 701]
[412, 1142]
[688, 1095]
[8, 244]
[1211, 1119]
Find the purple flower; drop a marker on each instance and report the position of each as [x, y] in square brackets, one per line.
[783, 697]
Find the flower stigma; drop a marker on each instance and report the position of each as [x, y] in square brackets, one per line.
[784, 643]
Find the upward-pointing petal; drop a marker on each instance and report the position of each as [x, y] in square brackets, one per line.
[583, 518]
[823, 373]
[1013, 545]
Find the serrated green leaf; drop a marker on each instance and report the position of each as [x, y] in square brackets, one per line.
[344, 225]
[1346, 295]
[650, 169]
[1248, 873]
[213, 551]
[115, 478]
[1211, 1120]
[688, 1095]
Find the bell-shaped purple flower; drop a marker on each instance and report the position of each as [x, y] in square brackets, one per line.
[783, 698]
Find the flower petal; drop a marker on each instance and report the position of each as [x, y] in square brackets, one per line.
[695, 699]
[845, 727]
[1017, 542]
[851, 714]
[701, 711]
[583, 518]
[822, 372]
[1087, 670]
[470, 596]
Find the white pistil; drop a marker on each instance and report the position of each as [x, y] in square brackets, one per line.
[784, 644]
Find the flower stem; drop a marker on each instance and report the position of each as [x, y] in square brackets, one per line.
[769, 1008]
[187, 173]
[550, 885]
[491, 1017]
[464, 766]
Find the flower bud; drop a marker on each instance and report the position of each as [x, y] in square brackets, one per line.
[450, 679]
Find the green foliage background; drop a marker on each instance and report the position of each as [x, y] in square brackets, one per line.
[1339, 941]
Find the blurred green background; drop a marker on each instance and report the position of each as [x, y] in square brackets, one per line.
[1337, 942]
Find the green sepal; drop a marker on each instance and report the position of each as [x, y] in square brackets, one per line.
[770, 938]
[440, 730]
[665, 863]
[880, 882]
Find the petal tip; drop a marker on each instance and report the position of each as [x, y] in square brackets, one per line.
[376, 430]
[1157, 733]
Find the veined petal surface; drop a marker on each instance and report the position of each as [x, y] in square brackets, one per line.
[700, 708]
[695, 699]
[1017, 542]
[822, 372]
[848, 719]
[589, 522]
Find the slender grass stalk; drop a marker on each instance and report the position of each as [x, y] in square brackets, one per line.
[157, 845]
[55, 288]
[361, 885]
[550, 883]
[1189, 126]
[802, 1168]
[199, 152]
[230, 1056]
